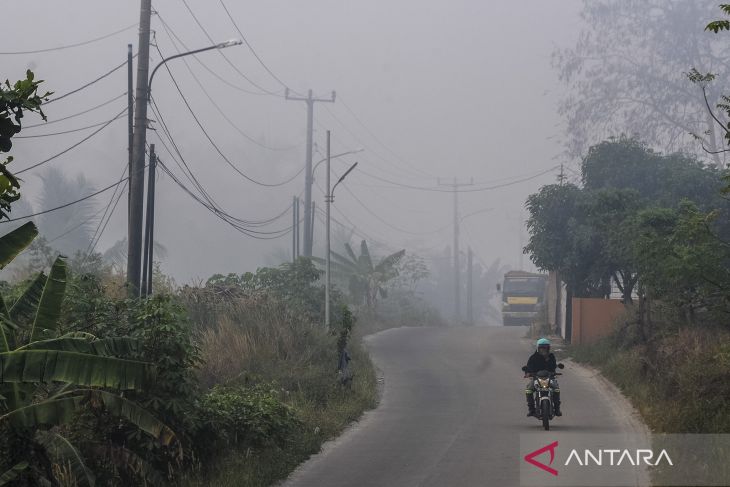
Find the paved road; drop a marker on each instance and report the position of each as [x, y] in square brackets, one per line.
[452, 412]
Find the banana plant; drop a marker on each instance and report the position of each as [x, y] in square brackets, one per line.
[366, 281]
[47, 376]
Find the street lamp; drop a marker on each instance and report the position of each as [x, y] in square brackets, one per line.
[137, 242]
[329, 198]
[220, 45]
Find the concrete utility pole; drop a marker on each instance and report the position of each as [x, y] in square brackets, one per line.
[149, 226]
[130, 120]
[469, 288]
[308, 215]
[457, 272]
[294, 229]
[329, 198]
[136, 172]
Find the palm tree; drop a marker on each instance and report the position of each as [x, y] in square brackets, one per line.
[46, 376]
[366, 281]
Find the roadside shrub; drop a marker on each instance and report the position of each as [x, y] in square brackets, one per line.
[247, 416]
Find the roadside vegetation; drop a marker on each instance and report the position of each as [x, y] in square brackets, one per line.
[657, 226]
[231, 382]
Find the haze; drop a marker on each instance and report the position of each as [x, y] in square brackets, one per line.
[455, 89]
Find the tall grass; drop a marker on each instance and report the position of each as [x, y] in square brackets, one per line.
[678, 382]
[255, 340]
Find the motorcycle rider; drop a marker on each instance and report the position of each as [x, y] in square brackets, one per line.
[542, 359]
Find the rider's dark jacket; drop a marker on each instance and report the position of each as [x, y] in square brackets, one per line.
[537, 362]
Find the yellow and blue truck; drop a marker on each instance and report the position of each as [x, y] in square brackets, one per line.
[523, 297]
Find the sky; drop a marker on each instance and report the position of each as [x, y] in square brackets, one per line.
[431, 91]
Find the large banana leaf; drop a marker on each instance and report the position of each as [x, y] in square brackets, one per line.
[88, 344]
[51, 412]
[11, 244]
[60, 409]
[62, 452]
[135, 414]
[388, 263]
[74, 368]
[23, 310]
[13, 473]
[49, 307]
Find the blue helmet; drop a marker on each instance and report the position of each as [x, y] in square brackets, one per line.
[543, 342]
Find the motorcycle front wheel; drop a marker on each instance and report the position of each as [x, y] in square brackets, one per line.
[546, 415]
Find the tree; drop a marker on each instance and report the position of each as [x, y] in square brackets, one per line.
[624, 74]
[15, 100]
[664, 180]
[366, 281]
[58, 190]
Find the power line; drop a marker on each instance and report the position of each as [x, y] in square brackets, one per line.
[87, 84]
[69, 46]
[224, 54]
[185, 168]
[94, 240]
[67, 204]
[377, 139]
[71, 130]
[43, 124]
[486, 188]
[74, 145]
[205, 66]
[213, 102]
[250, 47]
[212, 142]
[224, 216]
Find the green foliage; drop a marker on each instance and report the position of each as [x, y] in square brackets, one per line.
[366, 281]
[15, 100]
[248, 416]
[642, 219]
[718, 25]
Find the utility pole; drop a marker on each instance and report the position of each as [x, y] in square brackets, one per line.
[308, 216]
[130, 120]
[149, 226]
[457, 272]
[136, 173]
[469, 288]
[294, 229]
[329, 198]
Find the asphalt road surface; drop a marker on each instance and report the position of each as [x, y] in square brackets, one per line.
[452, 411]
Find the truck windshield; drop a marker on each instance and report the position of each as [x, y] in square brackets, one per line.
[524, 287]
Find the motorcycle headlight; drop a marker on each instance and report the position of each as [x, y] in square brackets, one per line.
[544, 383]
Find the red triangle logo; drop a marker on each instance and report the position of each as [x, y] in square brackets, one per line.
[530, 458]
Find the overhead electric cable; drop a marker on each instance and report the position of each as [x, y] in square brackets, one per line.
[243, 75]
[377, 139]
[217, 107]
[69, 46]
[87, 84]
[215, 146]
[253, 51]
[73, 146]
[471, 190]
[168, 29]
[71, 130]
[56, 120]
[65, 205]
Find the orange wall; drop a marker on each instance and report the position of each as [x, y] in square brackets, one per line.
[594, 318]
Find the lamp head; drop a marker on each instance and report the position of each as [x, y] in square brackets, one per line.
[229, 43]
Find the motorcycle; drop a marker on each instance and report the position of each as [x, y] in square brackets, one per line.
[543, 394]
